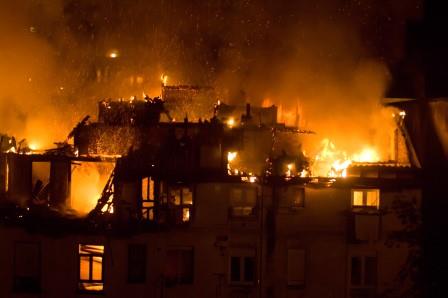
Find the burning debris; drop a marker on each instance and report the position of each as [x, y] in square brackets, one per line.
[239, 142]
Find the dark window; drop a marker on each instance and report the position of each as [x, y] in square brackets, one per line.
[235, 269]
[356, 271]
[179, 266]
[27, 267]
[242, 269]
[370, 271]
[137, 263]
[363, 276]
[91, 267]
[249, 268]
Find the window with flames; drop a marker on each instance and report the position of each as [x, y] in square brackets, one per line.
[172, 203]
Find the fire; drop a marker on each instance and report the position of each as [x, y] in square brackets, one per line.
[331, 162]
[164, 79]
[231, 122]
[33, 146]
[88, 180]
[289, 168]
[366, 155]
[113, 54]
[231, 155]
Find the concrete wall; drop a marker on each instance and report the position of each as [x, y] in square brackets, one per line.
[319, 228]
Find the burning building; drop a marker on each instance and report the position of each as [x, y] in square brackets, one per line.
[222, 206]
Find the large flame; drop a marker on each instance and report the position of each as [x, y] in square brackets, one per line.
[332, 162]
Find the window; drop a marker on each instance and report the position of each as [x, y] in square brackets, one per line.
[363, 276]
[176, 203]
[91, 267]
[296, 267]
[242, 268]
[136, 263]
[148, 198]
[26, 267]
[179, 266]
[243, 201]
[366, 198]
[292, 198]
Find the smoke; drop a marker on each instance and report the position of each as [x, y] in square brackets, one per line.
[322, 58]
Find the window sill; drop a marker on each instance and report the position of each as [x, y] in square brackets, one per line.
[87, 292]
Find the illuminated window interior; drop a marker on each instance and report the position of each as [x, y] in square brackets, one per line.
[148, 198]
[178, 199]
[366, 198]
[243, 201]
[91, 267]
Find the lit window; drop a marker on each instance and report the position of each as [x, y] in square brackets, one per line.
[179, 266]
[91, 267]
[366, 198]
[26, 267]
[243, 201]
[363, 275]
[137, 263]
[148, 198]
[242, 268]
[175, 203]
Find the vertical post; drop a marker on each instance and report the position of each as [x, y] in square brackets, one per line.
[60, 180]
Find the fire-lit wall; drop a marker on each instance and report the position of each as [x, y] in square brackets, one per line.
[230, 219]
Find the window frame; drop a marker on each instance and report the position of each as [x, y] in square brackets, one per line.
[148, 212]
[180, 280]
[365, 192]
[164, 210]
[245, 189]
[90, 280]
[362, 286]
[242, 256]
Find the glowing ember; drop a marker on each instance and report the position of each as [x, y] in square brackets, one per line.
[164, 79]
[231, 156]
[231, 122]
[113, 54]
[289, 170]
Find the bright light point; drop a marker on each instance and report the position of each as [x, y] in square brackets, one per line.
[164, 79]
[33, 146]
[231, 122]
[367, 155]
[231, 156]
[113, 54]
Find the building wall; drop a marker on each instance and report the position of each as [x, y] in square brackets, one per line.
[320, 228]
